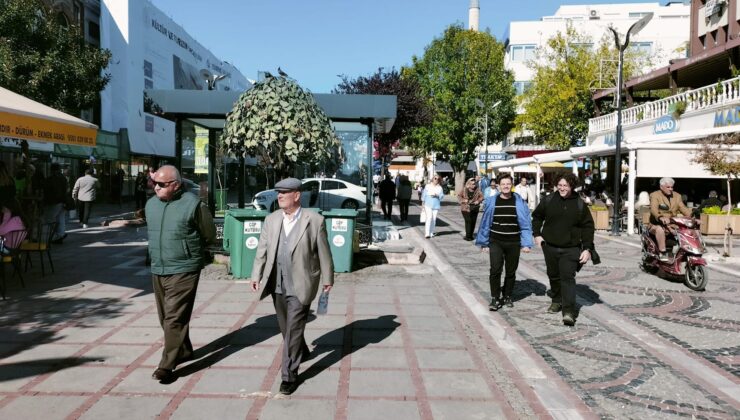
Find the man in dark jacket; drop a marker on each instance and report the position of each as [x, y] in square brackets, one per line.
[567, 239]
[179, 227]
[55, 195]
[387, 193]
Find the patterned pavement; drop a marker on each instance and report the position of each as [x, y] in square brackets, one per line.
[643, 346]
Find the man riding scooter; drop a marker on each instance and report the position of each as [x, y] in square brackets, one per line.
[664, 204]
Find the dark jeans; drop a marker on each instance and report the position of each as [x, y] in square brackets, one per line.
[83, 210]
[387, 206]
[562, 264]
[403, 207]
[503, 254]
[140, 199]
[175, 297]
[470, 219]
[292, 317]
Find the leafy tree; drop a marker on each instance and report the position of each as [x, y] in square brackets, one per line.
[46, 61]
[282, 125]
[559, 103]
[454, 71]
[411, 110]
[717, 157]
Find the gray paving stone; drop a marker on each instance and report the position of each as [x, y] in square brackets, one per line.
[213, 320]
[369, 357]
[44, 353]
[80, 334]
[382, 409]
[222, 409]
[14, 377]
[140, 381]
[287, 408]
[130, 407]
[115, 354]
[394, 384]
[78, 379]
[441, 339]
[455, 384]
[444, 359]
[30, 408]
[468, 410]
[439, 323]
[131, 335]
[697, 337]
[230, 381]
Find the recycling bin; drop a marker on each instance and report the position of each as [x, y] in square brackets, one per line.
[340, 227]
[242, 228]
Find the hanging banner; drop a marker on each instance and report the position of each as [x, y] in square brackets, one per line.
[43, 130]
[201, 150]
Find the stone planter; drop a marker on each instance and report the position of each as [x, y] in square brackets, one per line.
[601, 219]
[714, 224]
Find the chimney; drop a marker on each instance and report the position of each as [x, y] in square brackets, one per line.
[473, 15]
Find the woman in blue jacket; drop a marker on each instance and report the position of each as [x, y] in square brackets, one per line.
[431, 199]
[506, 230]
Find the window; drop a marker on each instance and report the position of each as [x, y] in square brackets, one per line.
[332, 185]
[93, 30]
[642, 47]
[521, 53]
[522, 87]
[638, 15]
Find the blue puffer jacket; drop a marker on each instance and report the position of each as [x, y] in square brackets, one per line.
[522, 216]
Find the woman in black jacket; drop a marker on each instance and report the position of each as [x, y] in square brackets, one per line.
[562, 225]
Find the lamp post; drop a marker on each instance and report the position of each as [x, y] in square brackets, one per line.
[485, 129]
[633, 30]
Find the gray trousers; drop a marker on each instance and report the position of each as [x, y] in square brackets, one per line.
[175, 296]
[292, 317]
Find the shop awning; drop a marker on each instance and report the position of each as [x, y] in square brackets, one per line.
[109, 146]
[25, 119]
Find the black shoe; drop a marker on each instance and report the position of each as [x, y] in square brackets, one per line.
[185, 359]
[287, 388]
[495, 304]
[569, 319]
[508, 303]
[554, 308]
[163, 375]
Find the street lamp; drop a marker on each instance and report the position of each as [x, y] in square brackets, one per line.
[633, 30]
[485, 129]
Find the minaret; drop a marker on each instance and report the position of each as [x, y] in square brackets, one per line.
[473, 15]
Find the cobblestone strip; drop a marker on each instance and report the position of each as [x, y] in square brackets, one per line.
[345, 365]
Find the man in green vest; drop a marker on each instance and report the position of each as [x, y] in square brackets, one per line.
[179, 227]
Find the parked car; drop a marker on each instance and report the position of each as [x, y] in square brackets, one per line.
[323, 193]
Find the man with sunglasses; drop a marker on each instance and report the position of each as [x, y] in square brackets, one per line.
[179, 227]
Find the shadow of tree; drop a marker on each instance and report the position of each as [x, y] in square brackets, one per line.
[12, 371]
[370, 331]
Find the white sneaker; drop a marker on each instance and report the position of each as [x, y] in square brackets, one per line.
[84, 226]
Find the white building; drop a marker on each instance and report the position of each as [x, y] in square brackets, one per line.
[151, 51]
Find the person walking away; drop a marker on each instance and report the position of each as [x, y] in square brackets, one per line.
[523, 190]
[664, 204]
[387, 193]
[470, 198]
[293, 258]
[140, 186]
[84, 193]
[506, 230]
[55, 197]
[431, 200]
[564, 229]
[404, 197]
[179, 226]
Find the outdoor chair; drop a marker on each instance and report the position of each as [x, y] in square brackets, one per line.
[41, 245]
[12, 243]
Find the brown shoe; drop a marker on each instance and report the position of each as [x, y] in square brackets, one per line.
[554, 308]
[163, 375]
[287, 388]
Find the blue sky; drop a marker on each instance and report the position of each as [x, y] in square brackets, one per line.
[316, 40]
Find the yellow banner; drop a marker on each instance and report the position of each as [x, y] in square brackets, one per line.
[39, 129]
[201, 150]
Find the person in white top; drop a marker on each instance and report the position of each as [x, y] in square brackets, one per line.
[431, 199]
[523, 189]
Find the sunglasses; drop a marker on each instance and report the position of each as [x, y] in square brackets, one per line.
[164, 184]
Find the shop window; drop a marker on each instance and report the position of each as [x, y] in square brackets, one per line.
[522, 87]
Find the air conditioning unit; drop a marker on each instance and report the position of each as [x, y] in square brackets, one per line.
[593, 14]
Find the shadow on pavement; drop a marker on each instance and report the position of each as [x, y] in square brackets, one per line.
[12, 371]
[373, 331]
[525, 288]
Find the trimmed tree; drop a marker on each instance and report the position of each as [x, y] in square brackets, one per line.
[456, 70]
[282, 125]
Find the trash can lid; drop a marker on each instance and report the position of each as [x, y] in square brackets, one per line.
[246, 213]
[340, 213]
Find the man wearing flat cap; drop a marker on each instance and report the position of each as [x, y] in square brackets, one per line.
[293, 258]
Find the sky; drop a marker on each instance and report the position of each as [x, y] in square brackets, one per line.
[314, 41]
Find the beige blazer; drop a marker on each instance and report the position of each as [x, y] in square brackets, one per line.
[311, 257]
[674, 204]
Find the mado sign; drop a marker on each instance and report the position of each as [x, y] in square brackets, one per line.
[665, 124]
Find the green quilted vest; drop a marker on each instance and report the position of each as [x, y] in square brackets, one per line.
[174, 242]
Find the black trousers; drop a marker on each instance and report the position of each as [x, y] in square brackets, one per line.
[387, 206]
[470, 218]
[562, 264]
[175, 297]
[503, 255]
[403, 208]
[292, 317]
[83, 210]
[140, 199]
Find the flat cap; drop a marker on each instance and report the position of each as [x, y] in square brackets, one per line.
[288, 184]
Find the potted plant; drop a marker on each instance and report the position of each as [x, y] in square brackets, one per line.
[678, 109]
[600, 214]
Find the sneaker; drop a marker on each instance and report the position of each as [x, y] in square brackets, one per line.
[508, 303]
[664, 257]
[569, 320]
[495, 304]
[554, 308]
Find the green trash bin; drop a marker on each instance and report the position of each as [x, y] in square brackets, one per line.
[340, 226]
[242, 229]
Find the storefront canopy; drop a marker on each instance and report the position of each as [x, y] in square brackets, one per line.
[25, 119]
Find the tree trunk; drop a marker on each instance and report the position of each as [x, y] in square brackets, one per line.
[460, 181]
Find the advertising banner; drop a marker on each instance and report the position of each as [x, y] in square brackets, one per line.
[43, 130]
[201, 150]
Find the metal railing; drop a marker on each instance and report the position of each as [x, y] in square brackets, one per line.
[705, 97]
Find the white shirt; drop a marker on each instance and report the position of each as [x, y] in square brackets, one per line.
[523, 191]
[290, 221]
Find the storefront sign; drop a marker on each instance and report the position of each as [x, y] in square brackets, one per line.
[43, 130]
[665, 124]
[201, 150]
[727, 117]
[488, 157]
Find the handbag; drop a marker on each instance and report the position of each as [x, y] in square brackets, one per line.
[423, 215]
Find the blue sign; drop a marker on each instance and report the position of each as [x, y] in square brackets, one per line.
[665, 124]
[727, 117]
[487, 157]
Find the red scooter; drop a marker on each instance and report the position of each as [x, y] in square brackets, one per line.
[687, 246]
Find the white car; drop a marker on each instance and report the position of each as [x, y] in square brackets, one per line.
[323, 193]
